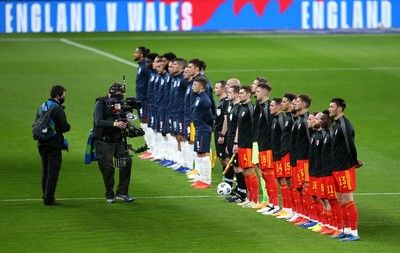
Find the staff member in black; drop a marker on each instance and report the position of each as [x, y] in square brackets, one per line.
[108, 136]
[50, 150]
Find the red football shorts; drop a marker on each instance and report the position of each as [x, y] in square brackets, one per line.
[245, 158]
[287, 170]
[296, 182]
[345, 180]
[265, 160]
[300, 174]
[313, 186]
[278, 168]
[329, 191]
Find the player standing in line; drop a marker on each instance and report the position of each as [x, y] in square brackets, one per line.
[263, 204]
[157, 66]
[297, 201]
[265, 162]
[159, 108]
[187, 145]
[179, 85]
[285, 154]
[332, 215]
[164, 107]
[301, 179]
[150, 134]
[142, 80]
[344, 164]
[276, 137]
[220, 123]
[243, 144]
[315, 157]
[193, 70]
[203, 122]
[240, 192]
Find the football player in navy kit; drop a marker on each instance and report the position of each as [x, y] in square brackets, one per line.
[203, 122]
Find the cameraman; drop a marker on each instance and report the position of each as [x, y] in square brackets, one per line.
[108, 133]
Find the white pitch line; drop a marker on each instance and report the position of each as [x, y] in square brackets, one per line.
[184, 197]
[234, 70]
[302, 69]
[97, 51]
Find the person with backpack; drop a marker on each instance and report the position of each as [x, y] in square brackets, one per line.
[50, 147]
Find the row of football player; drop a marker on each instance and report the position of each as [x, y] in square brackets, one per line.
[245, 173]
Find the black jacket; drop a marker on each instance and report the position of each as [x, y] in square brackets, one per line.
[62, 126]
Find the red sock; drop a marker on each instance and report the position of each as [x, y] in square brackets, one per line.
[283, 195]
[288, 197]
[248, 186]
[254, 185]
[329, 220]
[299, 202]
[317, 207]
[272, 186]
[293, 199]
[324, 218]
[345, 213]
[337, 213]
[352, 214]
[305, 200]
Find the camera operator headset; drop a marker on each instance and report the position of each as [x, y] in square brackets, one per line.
[108, 134]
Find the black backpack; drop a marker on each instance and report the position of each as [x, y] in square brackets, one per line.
[44, 127]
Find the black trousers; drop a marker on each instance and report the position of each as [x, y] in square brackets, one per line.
[105, 151]
[51, 165]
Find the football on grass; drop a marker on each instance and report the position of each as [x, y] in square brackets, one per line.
[224, 189]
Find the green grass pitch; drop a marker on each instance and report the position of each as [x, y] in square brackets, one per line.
[168, 215]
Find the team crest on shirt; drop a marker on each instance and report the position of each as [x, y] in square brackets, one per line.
[197, 102]
[317, 142]
[152, 78]
[218, 112]
[139, 70]
[286, 123]
[162, 81]
[243, 113]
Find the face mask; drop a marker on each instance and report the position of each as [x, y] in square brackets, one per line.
[62, 99]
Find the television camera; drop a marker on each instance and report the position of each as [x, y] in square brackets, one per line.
[123, 111]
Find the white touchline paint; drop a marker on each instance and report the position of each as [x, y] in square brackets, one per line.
[97, 51]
